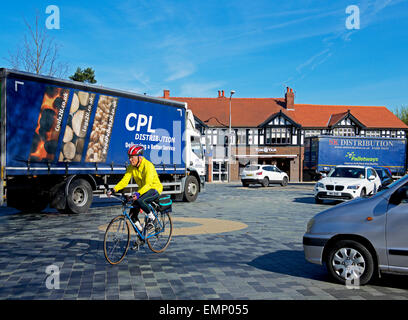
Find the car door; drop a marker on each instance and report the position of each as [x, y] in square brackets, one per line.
[268, 172]
[372, 184]
[276, 176]
[396, 230]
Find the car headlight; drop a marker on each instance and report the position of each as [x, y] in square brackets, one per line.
[310, 225]
[320, 185]
[354, 187]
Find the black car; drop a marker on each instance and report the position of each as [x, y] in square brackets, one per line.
[385, 176]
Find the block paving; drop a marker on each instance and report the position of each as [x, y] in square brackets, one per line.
[263, 261]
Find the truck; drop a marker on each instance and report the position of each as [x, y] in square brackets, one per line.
[322, 153]
[65, 142]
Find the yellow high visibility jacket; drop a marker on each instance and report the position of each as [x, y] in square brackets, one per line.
[145, 176]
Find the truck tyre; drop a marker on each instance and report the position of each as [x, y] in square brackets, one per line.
[191, 189]
[79, 197]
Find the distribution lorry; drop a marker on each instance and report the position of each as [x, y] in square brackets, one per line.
[62, 142]
[325, 152]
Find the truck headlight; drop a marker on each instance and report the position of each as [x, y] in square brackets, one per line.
[310, 225]
[354, 187]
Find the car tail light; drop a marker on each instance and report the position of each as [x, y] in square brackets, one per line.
[259, 173]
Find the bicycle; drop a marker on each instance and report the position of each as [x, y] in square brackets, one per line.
[118, 233]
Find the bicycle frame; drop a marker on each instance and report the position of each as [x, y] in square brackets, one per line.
[142, 233]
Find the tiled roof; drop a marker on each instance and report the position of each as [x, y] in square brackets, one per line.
[371, 117]
[245, 112]
[251, 112]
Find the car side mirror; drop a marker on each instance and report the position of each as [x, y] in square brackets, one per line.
[371, 178]
[324, 175]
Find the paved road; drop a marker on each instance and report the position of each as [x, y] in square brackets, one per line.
[261, 257]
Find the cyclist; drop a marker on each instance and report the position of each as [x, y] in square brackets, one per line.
[145, 175]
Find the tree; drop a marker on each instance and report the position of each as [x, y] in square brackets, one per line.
[86, 75]
[38, 53]
[402, 113]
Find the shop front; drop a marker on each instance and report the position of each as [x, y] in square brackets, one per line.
[288, 159]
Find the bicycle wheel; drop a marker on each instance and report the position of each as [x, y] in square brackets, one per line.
[159, 237]
[117, 239]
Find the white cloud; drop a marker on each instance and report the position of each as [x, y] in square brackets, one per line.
[180, 69]
[208, 89]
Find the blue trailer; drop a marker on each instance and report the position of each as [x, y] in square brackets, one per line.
[61, 141]
[324, 152]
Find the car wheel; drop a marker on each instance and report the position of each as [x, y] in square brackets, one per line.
[349, 261]
[284, 182]
[265, 182]
[245, 184]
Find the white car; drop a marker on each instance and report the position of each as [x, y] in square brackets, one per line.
[264, 175]
[346, 183]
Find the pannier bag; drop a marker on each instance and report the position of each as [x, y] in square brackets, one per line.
[165, 203]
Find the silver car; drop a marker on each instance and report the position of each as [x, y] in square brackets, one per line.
[362, 238]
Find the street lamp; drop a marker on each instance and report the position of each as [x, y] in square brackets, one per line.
[230, 138]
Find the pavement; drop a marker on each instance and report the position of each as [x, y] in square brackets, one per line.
[233, 243]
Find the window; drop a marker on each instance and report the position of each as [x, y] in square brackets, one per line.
[312, 133]
[276, 135]
[344, 132]
[241, 136]
[373, 133]
[196, 147]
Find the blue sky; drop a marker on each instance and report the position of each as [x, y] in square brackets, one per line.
[257, 48]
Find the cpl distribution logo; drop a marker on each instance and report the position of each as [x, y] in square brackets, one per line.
[352, 156]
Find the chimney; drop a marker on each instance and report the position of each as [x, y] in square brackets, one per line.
[166, 94]
[219, 93]
[223, 94]
[289, 98]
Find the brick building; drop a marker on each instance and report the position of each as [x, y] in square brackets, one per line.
[272, 130]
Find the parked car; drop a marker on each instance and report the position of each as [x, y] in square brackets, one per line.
[362, 238]
[264, 175]
[346, 183]
[385, 176]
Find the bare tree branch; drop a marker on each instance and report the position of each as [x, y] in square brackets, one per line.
[39, 53]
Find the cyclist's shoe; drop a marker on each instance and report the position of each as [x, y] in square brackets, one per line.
[138, 243]
[150, 224]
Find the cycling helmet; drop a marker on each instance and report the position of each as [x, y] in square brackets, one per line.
[135, 151]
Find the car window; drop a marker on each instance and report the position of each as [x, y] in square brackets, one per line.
[370, 173]
[347, 172]
[252, 168]
[400, 196]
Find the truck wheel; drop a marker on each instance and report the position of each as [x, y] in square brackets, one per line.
[79, 197]
[191, 189]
